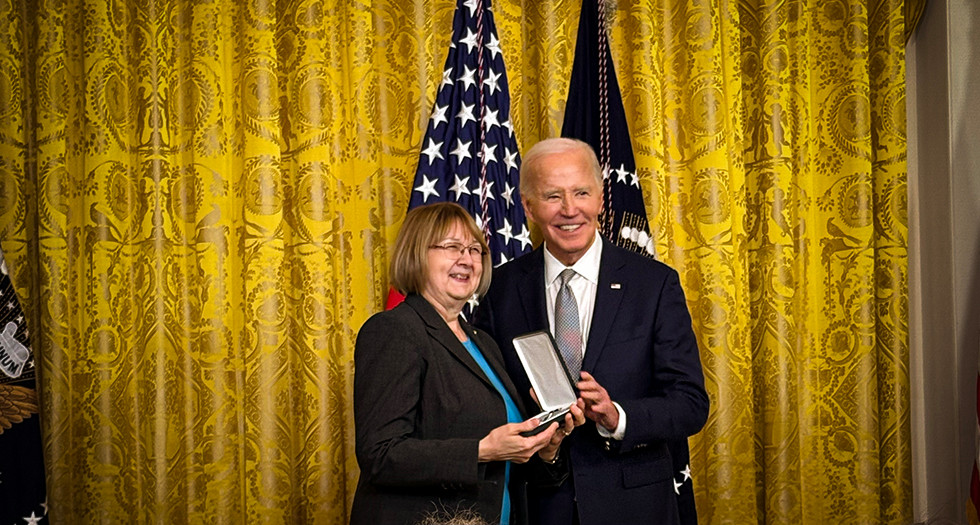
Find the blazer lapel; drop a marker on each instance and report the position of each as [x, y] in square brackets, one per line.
[496, 363]
[439, 330]
[607, 300]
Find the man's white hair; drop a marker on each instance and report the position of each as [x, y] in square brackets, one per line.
[550, 147]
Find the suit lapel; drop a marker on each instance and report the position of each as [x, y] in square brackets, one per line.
[607, 300]
[531, 290]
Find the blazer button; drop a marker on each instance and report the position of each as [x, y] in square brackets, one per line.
[608, 446]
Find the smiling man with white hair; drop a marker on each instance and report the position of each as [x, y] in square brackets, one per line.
[622, 325]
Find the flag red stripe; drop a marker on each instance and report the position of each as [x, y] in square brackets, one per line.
[394, 299]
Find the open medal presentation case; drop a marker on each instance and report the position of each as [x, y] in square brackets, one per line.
[552, 383]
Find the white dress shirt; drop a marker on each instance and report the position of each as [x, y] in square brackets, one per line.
[583, 284]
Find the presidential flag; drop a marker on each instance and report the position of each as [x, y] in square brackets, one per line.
[469, 153]
[594, 114]
[22, 489]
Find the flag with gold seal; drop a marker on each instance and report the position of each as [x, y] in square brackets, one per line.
[22, 486]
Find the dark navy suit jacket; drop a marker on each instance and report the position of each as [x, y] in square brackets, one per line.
[642, 349]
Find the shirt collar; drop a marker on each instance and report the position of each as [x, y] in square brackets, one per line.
[587, 266]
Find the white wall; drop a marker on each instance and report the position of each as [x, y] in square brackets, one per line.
[943, 95]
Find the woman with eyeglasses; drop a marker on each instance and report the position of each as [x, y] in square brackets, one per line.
[438, 423]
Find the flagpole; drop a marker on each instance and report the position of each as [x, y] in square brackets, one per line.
[602, 43]
[484, 223]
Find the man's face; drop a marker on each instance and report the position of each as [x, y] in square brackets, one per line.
[565, 201]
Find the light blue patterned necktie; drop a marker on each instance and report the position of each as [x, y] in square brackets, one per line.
[568, 333]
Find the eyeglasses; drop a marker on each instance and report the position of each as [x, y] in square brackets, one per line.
[456, 250]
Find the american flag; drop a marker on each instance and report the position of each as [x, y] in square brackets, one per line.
[594, 114]
[469, 153]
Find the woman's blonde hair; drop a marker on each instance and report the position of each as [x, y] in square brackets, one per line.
[425, 226]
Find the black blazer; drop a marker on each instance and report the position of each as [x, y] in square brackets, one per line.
[421, 406]
[642, 349]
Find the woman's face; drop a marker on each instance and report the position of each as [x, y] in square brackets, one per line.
[453, 276]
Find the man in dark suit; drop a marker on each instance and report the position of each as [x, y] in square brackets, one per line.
[622, 320]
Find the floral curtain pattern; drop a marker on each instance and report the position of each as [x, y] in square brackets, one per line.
[198, 199]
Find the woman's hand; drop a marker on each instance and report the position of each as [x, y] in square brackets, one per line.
[574, 418]
[505, 443]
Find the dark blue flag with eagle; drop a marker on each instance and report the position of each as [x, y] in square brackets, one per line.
[22, 489]
[594, 114]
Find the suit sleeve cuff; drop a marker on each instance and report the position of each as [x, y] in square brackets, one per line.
[620, 431]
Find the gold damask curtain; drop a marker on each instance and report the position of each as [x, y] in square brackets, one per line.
[197, 202]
